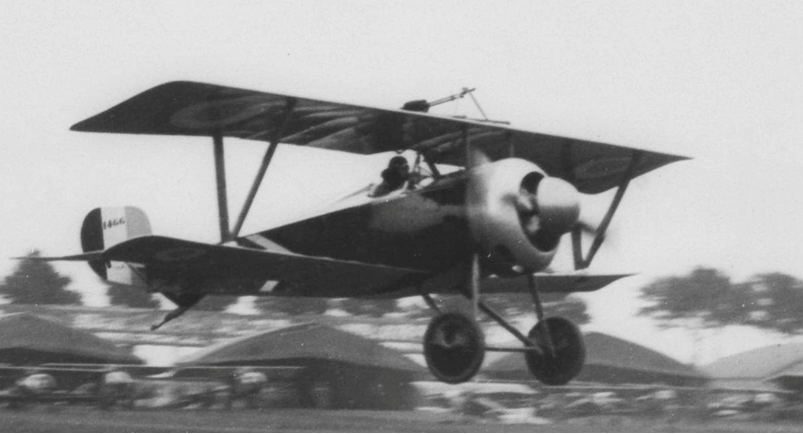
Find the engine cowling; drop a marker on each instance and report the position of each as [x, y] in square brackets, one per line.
[517, 213]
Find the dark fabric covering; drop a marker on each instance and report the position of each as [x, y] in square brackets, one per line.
[200, 109]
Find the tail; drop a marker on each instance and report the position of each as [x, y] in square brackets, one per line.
[106, 227]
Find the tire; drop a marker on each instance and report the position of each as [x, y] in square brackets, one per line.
[569, 352]
[454, 347]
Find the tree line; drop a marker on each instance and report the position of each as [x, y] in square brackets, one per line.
[706, 298]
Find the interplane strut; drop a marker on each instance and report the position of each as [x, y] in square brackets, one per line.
[577, 242]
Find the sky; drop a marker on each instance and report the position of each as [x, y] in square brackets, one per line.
[718, 81]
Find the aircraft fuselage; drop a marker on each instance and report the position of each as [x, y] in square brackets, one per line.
[425, 229]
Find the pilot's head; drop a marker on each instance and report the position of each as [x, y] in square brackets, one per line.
[399, 165]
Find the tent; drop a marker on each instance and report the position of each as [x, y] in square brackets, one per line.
[29, 340]
[610, 360]
[760, 368]
[340, 369]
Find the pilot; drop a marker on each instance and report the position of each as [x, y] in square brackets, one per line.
[394, 177]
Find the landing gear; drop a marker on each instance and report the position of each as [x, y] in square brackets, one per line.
[562, 362]
[454, 347]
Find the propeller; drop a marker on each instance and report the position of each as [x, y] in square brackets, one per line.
[551, 204]
[543, 202]
[548, 207]
[518, 213]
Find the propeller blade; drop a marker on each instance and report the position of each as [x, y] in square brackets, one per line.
[476, 157]
[593, 230]
[587, 227]
[479, 179]
[558, 204]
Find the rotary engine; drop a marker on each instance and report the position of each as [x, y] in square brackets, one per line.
[518, 214]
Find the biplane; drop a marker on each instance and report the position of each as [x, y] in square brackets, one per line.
[424, 232]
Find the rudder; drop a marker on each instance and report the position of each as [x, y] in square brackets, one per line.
[108, 226]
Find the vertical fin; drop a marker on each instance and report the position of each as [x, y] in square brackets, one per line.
[106, 227]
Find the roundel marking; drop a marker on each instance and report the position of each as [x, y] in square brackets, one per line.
[598, 169]
[224, 112]
[179, 254]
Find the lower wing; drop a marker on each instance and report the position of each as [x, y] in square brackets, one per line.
[552, 283]
[226, 270]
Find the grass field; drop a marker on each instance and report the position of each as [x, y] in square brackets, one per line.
[65, 419]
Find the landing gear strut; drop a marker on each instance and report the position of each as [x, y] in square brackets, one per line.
[562, 352]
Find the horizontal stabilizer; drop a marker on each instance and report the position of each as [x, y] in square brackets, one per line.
[84, 257]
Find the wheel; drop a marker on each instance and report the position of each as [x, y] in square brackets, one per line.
[454, 347]
[569, 352]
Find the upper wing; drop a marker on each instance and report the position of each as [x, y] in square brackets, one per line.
[301, 275]
[198, 109]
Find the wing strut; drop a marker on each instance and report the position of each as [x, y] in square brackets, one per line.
[599, 237]
[290, 104]
[222, 198]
